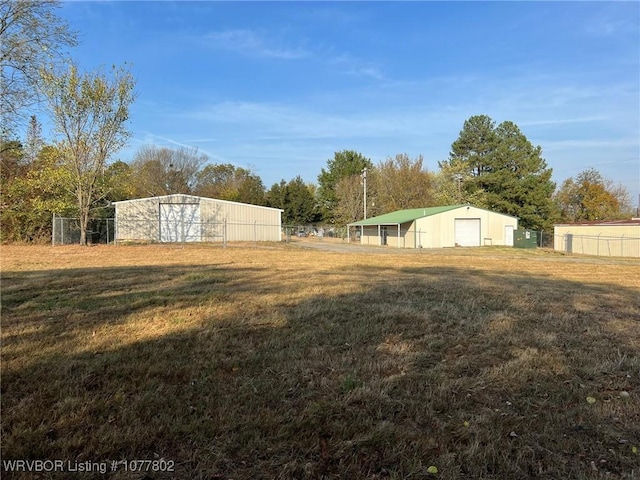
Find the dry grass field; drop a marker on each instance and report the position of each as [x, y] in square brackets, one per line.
[289, 363]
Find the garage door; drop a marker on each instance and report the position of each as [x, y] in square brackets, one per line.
[467, 232]
[179, 222]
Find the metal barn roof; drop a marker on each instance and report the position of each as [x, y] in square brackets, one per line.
[404, 216]
[195, 199]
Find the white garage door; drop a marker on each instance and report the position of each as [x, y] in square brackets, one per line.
[179, 222]
[467, 232]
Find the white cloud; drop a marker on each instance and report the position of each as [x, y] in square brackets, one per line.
[606, 26]
[249, 42]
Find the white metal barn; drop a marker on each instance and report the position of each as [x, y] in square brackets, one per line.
[187, 218]
[436, 227]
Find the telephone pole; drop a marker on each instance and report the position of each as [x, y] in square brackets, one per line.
[364, 178]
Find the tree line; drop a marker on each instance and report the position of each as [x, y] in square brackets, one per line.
[490, 166]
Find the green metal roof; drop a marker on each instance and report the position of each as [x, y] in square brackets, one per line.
[404, 216]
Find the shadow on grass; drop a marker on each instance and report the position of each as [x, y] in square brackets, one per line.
[484, 375]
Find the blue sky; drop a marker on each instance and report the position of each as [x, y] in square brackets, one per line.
[280, 87]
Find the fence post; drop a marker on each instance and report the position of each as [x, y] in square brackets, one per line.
[224, 234]
[53, 231]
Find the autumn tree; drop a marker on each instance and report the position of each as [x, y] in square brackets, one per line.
[90, 112]
[32, 36]
[591, 196]
[228, 182]
[350, 200]
[501, 167]
[401, 183]
[44, 188]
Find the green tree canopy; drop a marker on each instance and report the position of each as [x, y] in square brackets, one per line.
[345, 163]
[296, 199]
[501, 167]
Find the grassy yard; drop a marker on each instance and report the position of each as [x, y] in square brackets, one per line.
[283, 362]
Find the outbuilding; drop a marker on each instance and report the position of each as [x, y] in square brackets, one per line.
[436, 227]
[615, 238]
[188, 218]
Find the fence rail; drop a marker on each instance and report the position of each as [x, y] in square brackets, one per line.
[66, 231]
[599, 245]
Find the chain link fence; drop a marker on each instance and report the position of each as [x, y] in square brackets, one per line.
[66, 231]
[598, 245]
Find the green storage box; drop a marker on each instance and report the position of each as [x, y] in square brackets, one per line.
[525, 239]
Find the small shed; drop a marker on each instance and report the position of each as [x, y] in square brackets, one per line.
[615, 238]
[188, 218]
[436, 227]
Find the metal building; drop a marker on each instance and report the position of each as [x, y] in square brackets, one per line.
[187, 218]
[436, 227]
[616, 238]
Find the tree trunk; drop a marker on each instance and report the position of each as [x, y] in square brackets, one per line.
[84, 221]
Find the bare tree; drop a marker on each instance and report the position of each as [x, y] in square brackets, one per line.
[163, 171]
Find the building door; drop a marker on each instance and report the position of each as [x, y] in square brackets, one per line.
[180, 222]
[383, 235]
[467, 232]
[508, 235]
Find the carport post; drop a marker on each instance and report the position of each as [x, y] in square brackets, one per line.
[379, 237]
[398, 235]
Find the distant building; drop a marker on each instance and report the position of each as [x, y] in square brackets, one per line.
[436, 227]
[187, 218]
[615, 238]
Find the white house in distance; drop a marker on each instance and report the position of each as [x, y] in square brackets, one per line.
[187, 218]
[436, 227]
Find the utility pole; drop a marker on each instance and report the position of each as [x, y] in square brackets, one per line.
[364, 178]
[458, 178]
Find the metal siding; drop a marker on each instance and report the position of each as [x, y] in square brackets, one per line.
[601, 240]
[437, 231]
[139, 219]
[180, 222]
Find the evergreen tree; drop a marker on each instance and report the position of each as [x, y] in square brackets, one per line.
[508, 172]
[296, 199]
[346, 163]
[34, 141]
